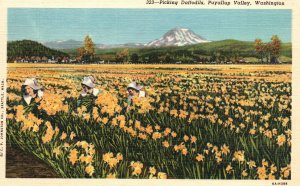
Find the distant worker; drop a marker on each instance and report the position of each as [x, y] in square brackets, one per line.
[89, 93]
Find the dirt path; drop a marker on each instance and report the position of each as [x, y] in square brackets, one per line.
[20, 164]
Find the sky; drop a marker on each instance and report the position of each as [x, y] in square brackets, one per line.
[119, 26]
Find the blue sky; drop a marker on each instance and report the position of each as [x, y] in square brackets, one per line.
[117, 26]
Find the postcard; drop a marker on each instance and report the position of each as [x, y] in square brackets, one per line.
[149, 92]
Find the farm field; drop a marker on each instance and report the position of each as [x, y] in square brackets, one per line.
[196, 122]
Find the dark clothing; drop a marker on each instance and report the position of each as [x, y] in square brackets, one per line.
[31, 107]
[88, 101]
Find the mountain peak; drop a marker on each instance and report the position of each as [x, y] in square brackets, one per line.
[178, 37]
[175, 37]
[64, 44]
[179, 29]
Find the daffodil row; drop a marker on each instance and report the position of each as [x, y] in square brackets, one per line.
[213, 122]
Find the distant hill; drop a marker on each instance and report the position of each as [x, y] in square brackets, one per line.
[71, 44]
[31, 48]
[65, 44]
[176, 45]
[174, 37]
[224, 50]
[228, 47]
[243, 48]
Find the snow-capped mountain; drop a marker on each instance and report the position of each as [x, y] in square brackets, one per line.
[174, 37]
[126, 45]
[71, 44]
[177, 37]
[64, 44]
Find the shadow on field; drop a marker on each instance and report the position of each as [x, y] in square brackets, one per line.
[20, 164]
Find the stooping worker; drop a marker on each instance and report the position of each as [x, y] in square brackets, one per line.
[32, 95]
[134, 90]
[89, 93]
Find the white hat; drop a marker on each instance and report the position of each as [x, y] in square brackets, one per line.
[32, 82]
[134, 86]
[88, 81]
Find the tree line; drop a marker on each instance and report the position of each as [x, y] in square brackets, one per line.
[268, 52]
[265, 52]
[227, 51]
[31, 50]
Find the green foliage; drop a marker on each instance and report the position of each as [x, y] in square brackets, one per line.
[87, 52]
[225, 49]
[31, 48]
[272, 50]
[225, 116]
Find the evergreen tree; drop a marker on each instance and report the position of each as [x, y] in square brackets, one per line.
[26, 49]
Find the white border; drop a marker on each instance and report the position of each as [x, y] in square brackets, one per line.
[289, 4]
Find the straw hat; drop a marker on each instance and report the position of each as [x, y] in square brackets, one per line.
[32, 82]
[89, 81]
[135, 86]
